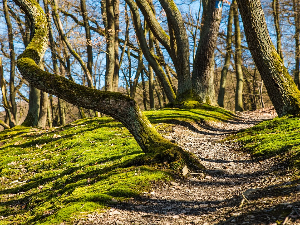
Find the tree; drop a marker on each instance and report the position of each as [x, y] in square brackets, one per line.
[239, 106]
[117, 105]
[203, 75]
[296, 8]
[227, 59]
[282, 91]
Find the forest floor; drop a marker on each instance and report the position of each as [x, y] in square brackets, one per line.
[235, 189]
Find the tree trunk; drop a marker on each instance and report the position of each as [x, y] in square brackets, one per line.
[151, 74]
[202, 78]
[275, 6]
[239, 105]
[89, 47]
[10, 122]
[12, 91]
[42, 121]
[117, 105]
[116, 45]
[180, 44]
[32, 117]
[144, 92]
[281, 89]
[227, 59]
[110, 46]
[150, 58]
[296, 8]
[61, 112]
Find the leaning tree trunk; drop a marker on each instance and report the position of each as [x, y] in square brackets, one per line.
[202, 77]
[282, 90]
[117, 105]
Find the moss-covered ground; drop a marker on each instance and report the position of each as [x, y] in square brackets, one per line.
[58, 175]
[280, 136]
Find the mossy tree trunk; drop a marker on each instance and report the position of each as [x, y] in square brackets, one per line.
[117, 105]
[282, 90]
[224, 71]
[202, 77]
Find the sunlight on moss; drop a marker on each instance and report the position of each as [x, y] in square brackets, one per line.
[273, 137]
[57, 175]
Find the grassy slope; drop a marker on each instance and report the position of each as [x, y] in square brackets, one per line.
[54, 176]
[280, 136]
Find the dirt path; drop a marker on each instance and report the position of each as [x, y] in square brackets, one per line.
[235, 190]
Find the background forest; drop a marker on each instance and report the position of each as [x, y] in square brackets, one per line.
[81, 50]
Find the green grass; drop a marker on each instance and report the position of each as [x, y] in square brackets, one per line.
[280, 136]
[58, 175]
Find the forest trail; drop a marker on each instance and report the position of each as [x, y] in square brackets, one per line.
[235, 190]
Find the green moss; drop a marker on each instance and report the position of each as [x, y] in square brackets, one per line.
[280, 136]
[54, 179]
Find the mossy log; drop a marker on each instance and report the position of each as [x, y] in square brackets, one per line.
[117, 105]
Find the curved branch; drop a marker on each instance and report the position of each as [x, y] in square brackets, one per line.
[154, 25]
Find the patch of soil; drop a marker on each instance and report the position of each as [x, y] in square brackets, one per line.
[235, 189]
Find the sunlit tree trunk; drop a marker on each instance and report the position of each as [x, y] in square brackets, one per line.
[282, 91]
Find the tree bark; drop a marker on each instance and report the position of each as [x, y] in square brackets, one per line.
[296, 8]
[239, 105]
[275, 6]
[227, 59]
[179, 44]
[202, 77]
[120, 107]
[281, 89]
[110, 46]
[89, 47]
[116, 45]
[42, 121]
[151, 74]
[12, 91]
